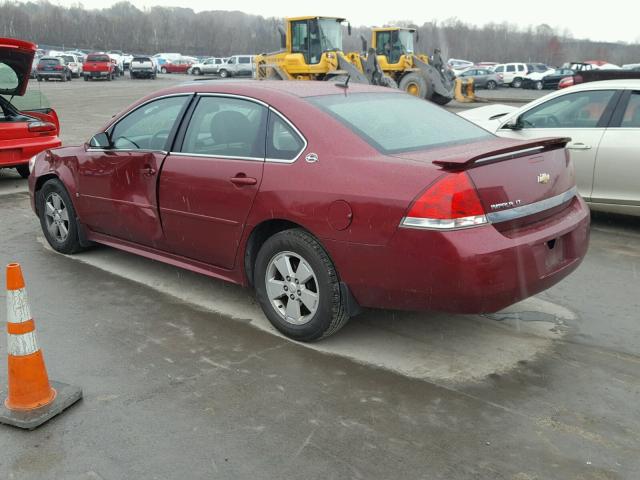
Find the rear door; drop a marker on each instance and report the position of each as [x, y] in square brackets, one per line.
[617, 171]
[117, 186]
[210, 179]
[581, 116]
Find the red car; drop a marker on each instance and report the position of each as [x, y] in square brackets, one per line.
[25, 130]
[176, 66]
[325, 199]
[98, 65]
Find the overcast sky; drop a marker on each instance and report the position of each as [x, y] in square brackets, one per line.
[605, 21]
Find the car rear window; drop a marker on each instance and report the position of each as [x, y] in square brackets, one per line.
[141, 59]
[396, 122]
[50, 61]
[98, 58]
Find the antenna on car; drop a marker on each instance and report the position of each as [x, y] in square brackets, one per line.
[344, 84]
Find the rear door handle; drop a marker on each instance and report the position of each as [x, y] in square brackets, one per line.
[578, 146]
[242, 180]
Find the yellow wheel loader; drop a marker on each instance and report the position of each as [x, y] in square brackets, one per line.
[418, 75]
[312, 50]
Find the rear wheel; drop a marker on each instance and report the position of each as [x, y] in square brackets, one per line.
[58, 217]
[491, 85]
[223, 73]
[63, 78]
[163, 70]
[539, 85]
[297, 286]
[196, 71]
[517, 83]
[39, 78]
[23, 170]
[389, 82]
[415, 84]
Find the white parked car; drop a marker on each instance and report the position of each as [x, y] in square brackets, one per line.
[74, 64]
[208, 66]
[512, 73]
[458, 66]
[602, 120]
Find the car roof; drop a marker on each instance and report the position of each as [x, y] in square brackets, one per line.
[604, 84]
[289, 87]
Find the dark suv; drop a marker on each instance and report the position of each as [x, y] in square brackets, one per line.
[53, 67]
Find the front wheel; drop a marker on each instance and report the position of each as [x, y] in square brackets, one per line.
[415, 84]
[196, 71]
[163, 70]
[539, 85]
[58, 217]
[298, 288]
[517, 83]
[491, 85]
[223, 73]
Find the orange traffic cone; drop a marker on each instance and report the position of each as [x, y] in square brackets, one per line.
[31, 400]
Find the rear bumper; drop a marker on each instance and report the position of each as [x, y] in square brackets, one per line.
[474, 270]
[18, 152]
[50, 74]
[96, 74]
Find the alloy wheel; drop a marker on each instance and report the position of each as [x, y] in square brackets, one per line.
[56, 217]
[292, 287]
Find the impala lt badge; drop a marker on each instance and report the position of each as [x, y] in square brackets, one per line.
[544, 178]
[498, 206]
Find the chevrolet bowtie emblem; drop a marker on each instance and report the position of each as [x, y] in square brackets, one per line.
[544, 178]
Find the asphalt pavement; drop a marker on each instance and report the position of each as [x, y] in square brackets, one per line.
[184, 378]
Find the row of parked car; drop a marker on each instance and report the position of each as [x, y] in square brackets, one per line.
[536, 76]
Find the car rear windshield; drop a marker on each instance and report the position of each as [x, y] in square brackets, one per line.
[141, 59]
[98, 58]
[50, 61]
[395, 122]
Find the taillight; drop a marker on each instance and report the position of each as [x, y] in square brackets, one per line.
[58, 67]
[41, 127]
[451, 202]
[565, 82]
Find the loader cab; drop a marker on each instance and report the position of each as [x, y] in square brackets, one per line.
[393, 43]
[313, 36]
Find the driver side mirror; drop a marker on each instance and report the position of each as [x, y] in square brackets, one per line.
[101, 140]
[514, 124]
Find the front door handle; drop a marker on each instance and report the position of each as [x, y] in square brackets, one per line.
[578, 146]
[148, 171]
[242, 180]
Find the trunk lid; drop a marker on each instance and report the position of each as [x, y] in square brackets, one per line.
[16, 58]
[516, 181]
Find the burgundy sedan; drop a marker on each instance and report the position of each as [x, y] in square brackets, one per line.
[324, 199]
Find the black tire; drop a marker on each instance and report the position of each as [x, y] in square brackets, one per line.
[223, 73]
[538, 85]
[23, 170]
[71, 243]
[491, 85]
[439, 99]
[517, 82]
[163, 70]
[39, 78]
[388, 82]
[415, 84]
[63, 78]
[330, 314]
[196, 71]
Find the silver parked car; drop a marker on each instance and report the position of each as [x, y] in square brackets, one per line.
[237, 65]
[208, 66]
[483, 78]
[602, 119]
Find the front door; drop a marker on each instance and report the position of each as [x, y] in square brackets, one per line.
[118, 185]
[209, 182]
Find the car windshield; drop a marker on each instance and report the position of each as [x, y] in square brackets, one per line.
[98, 58]
[330, 31]
[405, 38]
[406, 124]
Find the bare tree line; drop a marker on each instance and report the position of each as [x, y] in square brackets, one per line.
[223, 33]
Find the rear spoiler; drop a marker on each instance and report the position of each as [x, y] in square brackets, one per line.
[519, 149]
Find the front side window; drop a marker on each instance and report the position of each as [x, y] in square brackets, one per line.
[631, 118]
[499, 69]
[283, 143]
[575, 110]
[511, 68]
[226, 127]
[148, 127]
[231, 61]
[245, 60]
[408, 123]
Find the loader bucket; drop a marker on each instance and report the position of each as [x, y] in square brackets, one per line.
[441, 83]
[464, 91]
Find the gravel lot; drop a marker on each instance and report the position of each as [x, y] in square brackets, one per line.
[184, 378]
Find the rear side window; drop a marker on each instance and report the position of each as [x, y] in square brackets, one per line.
[511, 68]
[396, 122]
[226, 127]
[283, 143]
[244, 60]
[631, 117]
